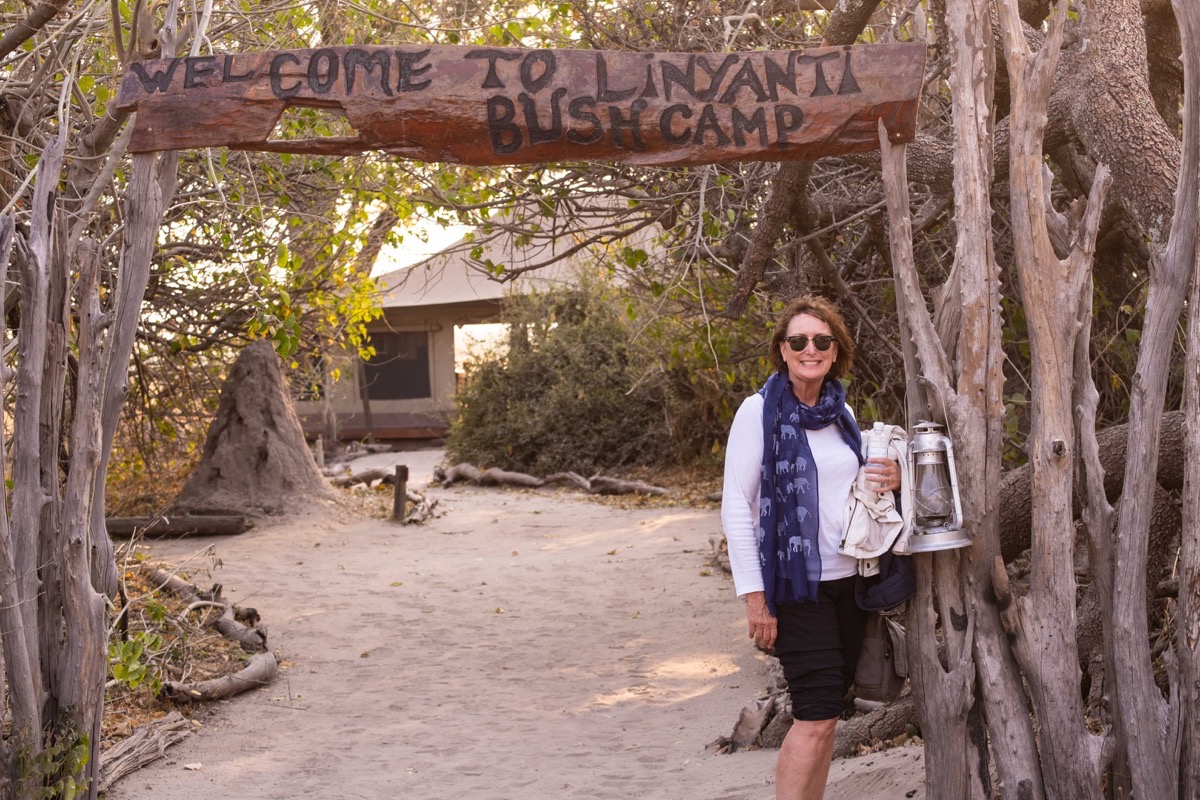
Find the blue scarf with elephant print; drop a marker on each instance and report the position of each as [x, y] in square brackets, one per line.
[788, 521]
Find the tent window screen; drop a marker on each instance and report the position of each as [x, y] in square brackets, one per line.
[399, 370]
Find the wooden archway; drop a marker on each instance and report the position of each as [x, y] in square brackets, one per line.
[489, 106]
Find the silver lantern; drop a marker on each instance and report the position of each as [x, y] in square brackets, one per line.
[937, 509]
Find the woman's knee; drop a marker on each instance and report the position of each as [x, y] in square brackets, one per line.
[813, 730]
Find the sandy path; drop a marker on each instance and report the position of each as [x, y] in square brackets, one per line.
[524, 645]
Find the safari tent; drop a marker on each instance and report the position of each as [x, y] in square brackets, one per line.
[406, 390]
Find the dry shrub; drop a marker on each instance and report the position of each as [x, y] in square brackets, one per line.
[160, 436]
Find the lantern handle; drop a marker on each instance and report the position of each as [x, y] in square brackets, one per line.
[937, 391]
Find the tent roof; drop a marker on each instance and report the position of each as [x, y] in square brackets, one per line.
[452, 278]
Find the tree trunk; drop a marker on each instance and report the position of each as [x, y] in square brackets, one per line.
[1016, 522]
[1042, 625]
[944, 694]
[27, 497]
[83, 660]
[974, 402]
[150, 191]
[1145, 724]
[56, 561]
[1121, 127]
[1186, 741]
[20, 667]
[364, 394]
[1187, 632]
[52, 534]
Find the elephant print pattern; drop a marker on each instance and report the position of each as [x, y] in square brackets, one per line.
[797, 486]
[796, 544]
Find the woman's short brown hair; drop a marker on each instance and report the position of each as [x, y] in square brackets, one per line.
[827, 312]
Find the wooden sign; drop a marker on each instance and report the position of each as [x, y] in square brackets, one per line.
[479, 105]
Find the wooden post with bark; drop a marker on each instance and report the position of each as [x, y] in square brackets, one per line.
[1185, 731]
[980, 668]
[1041, 625]
[1150, 726]
[401, 495]
[1153, 736]
[56, 560]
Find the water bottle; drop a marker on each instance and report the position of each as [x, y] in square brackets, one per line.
[877, 447]
[877, 442]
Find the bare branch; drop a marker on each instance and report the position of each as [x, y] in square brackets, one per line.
[29, 27]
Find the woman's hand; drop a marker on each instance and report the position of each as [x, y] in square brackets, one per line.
[763, 626]
[883, 474]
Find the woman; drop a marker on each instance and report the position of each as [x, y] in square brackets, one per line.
[794, 451]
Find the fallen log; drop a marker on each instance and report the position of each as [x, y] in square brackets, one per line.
[890, 722]
[601, 484]
[147, 743]
[150, 741]
[369, 476]
[174, 584]
[886, 723]
[422, 509]
[260, 670]
[338, 462]
[178, 525]
[597, 484]
[1014, 506]
[252, 639]
[754, 718]
[764, 722]
[570, 477]
[493, 476]
[456, 473]
[606, 485]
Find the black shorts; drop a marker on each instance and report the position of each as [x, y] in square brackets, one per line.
[818, 645]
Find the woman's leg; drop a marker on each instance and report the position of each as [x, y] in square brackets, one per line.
[804, 759]
[817, 645]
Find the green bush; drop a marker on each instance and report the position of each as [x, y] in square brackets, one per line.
[567, 395]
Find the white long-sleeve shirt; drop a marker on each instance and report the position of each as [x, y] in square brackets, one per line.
[837, 467]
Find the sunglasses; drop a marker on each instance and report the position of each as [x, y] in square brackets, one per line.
[798, 343]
